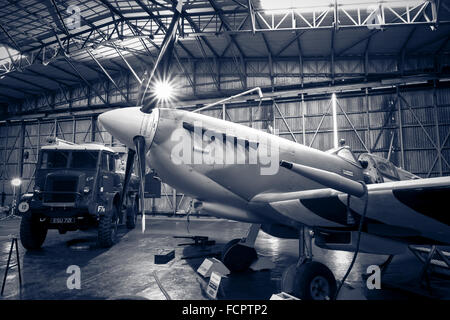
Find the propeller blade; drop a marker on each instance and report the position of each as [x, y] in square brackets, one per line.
[163, 61]
[128, 169]
[139, 142]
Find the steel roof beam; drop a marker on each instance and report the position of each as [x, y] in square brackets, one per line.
[107, 75]
[21, 90]
[80, 76]
[15, 44]
[160, 23]
[29, 83]
[231, 40]
[53, 79]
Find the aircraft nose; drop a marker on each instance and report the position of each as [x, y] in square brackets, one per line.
[123, 124]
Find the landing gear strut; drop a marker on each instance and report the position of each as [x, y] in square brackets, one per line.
[308, 279]
[239, 254]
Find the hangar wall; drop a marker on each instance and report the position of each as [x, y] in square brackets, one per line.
[413, 121]
[204, 78]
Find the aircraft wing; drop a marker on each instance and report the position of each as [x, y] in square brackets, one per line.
[412, 209]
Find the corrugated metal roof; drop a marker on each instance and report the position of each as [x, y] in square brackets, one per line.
[35, 28]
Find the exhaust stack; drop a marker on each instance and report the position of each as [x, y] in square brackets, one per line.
[330, 179]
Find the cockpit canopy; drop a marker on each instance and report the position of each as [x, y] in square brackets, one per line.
[376, 169]
[385, 170]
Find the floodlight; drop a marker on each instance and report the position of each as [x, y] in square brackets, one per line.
[16, 182]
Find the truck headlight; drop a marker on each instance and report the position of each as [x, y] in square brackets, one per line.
[37, 189]
[86, 190]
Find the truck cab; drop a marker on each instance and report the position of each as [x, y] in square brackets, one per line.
[77, 187]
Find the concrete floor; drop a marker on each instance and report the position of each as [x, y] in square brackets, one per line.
[127, 270]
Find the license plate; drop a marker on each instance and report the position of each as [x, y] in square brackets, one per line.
[62, 220]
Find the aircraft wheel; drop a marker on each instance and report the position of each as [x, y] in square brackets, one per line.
[237, 257]
[310, 281]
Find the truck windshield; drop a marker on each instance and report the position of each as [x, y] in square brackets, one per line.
[54, 159]
[84, 159]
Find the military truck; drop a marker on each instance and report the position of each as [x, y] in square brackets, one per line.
[77, 187]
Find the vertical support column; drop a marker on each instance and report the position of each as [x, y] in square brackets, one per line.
[400, 130]
[368, 139]
[335, 128]
[303, 119]
[194, 77]
[436, 126]
[38, 143]
[366, 63]
[273, 116]
[93, 129]
[128, 86]
[21, 149]
[218, 67]
[300, 62]
[5, 153]
[20, 162]
[88, 96]
[174, 201]
[74, 123]
[250, 116]
[224, 112]
[55, 129]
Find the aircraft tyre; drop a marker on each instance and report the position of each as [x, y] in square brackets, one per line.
[310, 281]
[238, 257]
[32, 231]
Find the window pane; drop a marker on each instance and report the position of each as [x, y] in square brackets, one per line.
[54, 159]
[104, 161]
[112, 163]
[84, 159]
[346, 154]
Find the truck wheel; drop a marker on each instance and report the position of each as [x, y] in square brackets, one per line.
[107, 228]
[132, 213]
[32, 231]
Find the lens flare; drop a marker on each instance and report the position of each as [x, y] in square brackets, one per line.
[164, 90]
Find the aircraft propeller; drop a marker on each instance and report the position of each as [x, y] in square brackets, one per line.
[139, 143]
[160, 72]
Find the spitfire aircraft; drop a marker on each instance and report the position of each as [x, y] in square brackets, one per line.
[347, 202]
[288, 190]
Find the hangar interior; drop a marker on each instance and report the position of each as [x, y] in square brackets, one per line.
[384, 64]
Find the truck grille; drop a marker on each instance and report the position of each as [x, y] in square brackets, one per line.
[60, 189]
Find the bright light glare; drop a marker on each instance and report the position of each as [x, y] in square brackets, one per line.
[16, 182]
[164, 90]
[284, 5]
[6, 53]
